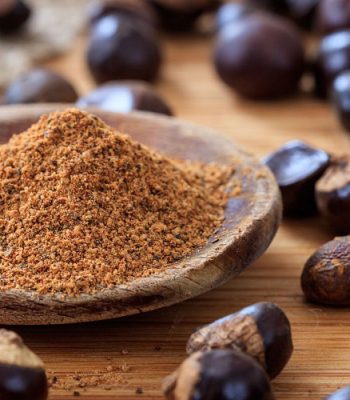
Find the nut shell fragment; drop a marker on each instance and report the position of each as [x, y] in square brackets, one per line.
[22, 373]
[14, 352]
[261, 330]
[218, 375]
[326, 275]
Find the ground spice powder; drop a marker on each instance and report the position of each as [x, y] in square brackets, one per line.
[83, 207]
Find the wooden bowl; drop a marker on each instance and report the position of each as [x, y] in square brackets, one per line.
[251, 221]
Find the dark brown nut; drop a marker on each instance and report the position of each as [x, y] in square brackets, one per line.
[231, 12]
[13, 15]
[138, 9]
[261, 330]
[119, 48]
[22, 373]
[341, 98]
[333, 195]
[326, 275]
[333, 16]
[260, 57]
[40, 86]
[332, 58]
[297, 167]
[218, 375]
[124, 97]
[342, 394]
[181, 15]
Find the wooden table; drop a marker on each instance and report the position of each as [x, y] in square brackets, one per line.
[132, 355]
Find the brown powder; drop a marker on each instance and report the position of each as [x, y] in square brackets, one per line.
[83, 382]
[84, 208]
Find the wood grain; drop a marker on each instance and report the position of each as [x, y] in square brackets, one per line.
[156, 341]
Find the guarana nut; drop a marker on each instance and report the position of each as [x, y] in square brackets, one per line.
[326, 275]
[13, 15]
[261, 330]
[22, 373]
[333, 194]
[220, 374]
[125, 97]
[120, 48]
[297, 167]
[40, 86]
[260, 56]
[341, 394]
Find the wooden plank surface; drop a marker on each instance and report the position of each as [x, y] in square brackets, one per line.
[127, 358]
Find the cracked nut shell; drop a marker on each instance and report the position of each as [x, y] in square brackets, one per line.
[326, 275]
[333, 195]
[119, 48]
[40, 86]
[125, 97]
[342, 394]
[261, 330]
[260, 56]
[297, 167]
[13, 15]
[22, 373]
[218, 375]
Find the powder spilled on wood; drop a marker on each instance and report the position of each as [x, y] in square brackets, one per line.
[83, 207]
[105, 379]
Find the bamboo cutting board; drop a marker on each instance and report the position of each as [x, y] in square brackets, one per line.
[127, 358]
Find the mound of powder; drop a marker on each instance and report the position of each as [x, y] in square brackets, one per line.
[83, 207]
